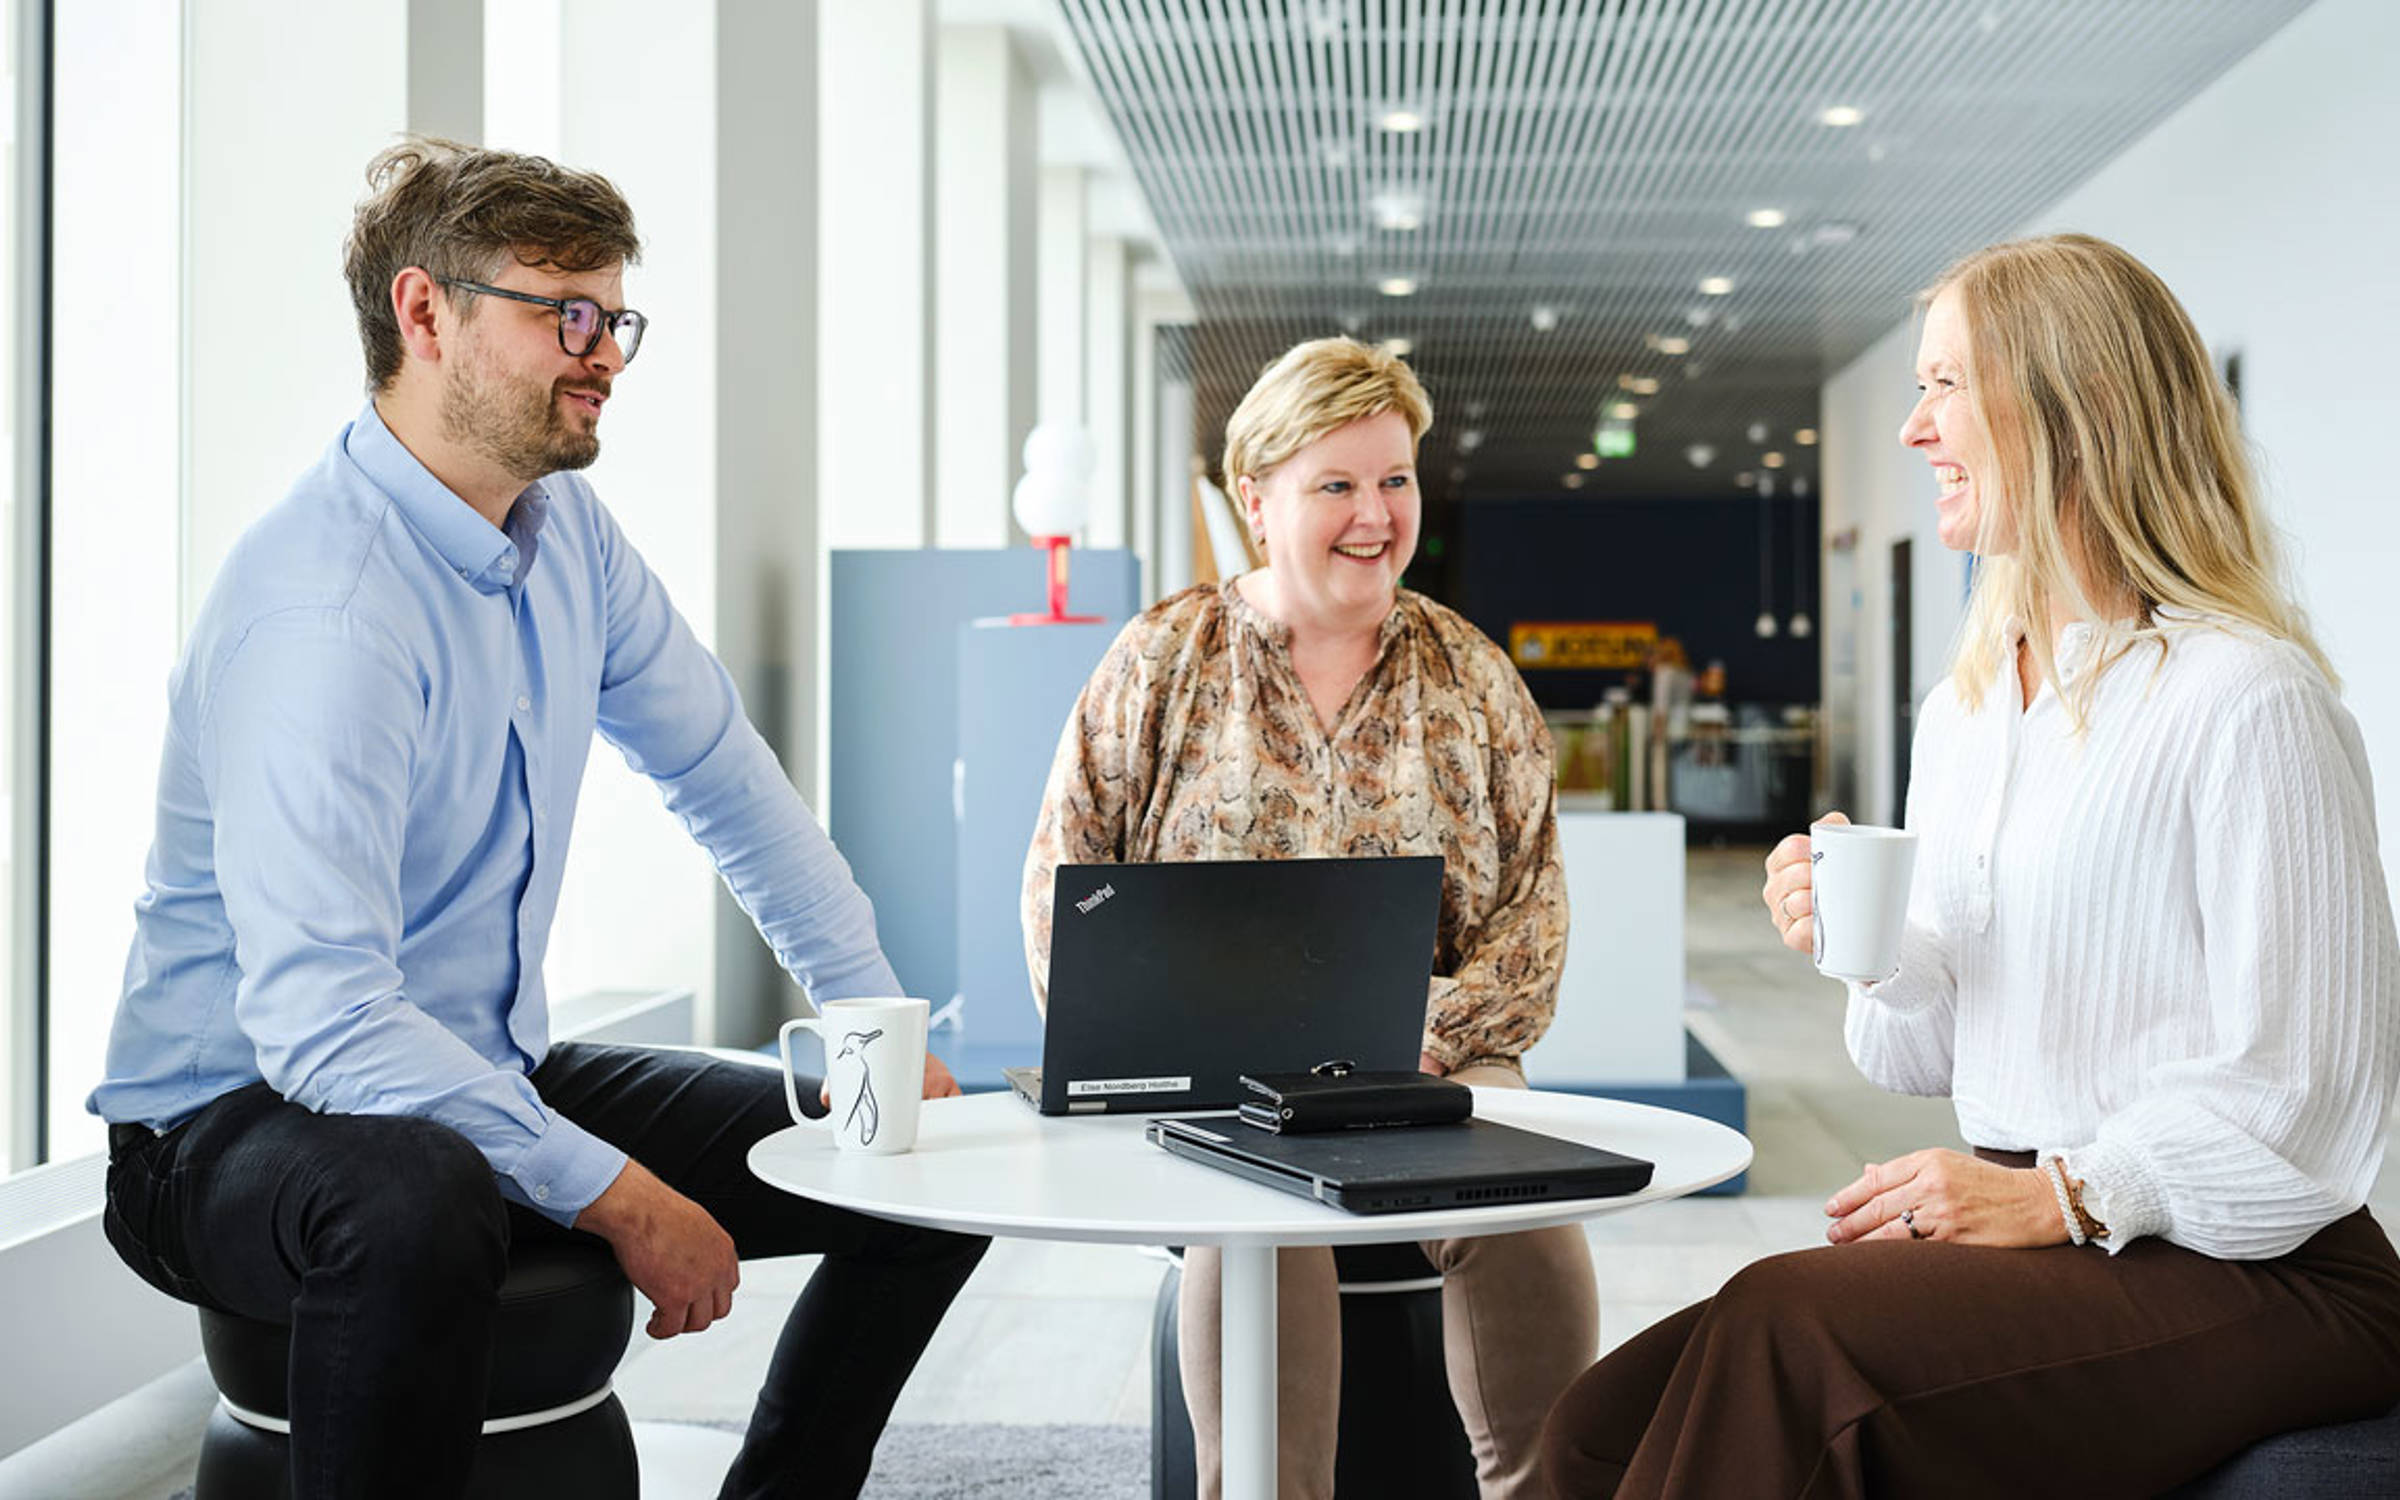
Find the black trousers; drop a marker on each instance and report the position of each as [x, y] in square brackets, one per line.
[382, 1241]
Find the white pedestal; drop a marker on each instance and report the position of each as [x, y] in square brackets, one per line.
[1620, 1004]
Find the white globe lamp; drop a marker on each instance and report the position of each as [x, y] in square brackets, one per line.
[1052, 501]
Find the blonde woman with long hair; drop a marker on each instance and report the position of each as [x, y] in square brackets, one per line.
[2149, 954]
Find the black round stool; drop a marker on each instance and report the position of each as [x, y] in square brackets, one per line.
[1399, 1431]
[553, 1424]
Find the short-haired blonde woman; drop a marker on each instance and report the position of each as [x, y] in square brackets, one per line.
[2149, 953]
[1313, 707]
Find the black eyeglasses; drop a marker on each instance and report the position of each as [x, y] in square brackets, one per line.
[581, 321]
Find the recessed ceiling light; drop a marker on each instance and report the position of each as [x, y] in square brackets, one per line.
[1742, 480]
[1834, 232]
[1397, 347]
[1640, 385]
[1470, 439]
[1587, 460]
[1699, 316]
[1841, 116]
[1398, 210]
[1669, 343]
[1806, 437]
[1766, 218]
[1700, 455]
[1397, 286]
[1353, 322]
[1571, 481]
[1771, 460]
[1622, 411]
[1715, 286]
[1545, 318]
[1403, 121]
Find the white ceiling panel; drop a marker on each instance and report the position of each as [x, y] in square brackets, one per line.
[1600, 159]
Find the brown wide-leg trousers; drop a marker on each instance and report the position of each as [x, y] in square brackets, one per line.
[1907, 1368]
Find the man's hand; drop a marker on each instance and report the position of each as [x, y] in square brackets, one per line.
[1947, 1195]
[670, 1249]
[938, 1082]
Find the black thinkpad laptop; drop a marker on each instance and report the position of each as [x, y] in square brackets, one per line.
[1411, 1167]
[1170, 981]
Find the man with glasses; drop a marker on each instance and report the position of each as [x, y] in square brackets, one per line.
[333, 1096]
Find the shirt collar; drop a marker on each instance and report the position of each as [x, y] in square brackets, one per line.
[488, 557]
[2078, 646]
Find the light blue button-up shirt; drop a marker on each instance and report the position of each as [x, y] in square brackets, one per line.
[375, 739]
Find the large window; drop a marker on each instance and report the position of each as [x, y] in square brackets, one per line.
[14, 336]
[118, 372]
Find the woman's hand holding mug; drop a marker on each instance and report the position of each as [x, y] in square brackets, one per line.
[1788, 893]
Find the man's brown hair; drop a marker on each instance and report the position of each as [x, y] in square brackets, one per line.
[463, 212]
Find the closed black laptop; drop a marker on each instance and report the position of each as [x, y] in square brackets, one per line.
[1170, 981]
[1409, 1167]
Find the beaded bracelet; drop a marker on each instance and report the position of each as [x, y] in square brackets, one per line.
[2066, 1208]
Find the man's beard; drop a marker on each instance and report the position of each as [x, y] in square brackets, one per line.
[515, 423]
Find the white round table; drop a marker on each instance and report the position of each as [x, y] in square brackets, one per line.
[988, 1164]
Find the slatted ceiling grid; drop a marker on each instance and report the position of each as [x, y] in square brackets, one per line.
[1599, 157]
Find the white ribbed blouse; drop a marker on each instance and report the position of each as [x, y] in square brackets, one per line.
[2163, 948]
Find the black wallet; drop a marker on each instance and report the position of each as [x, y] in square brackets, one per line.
[1333, 1096]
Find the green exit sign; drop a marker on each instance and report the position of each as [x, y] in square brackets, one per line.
[1614, 440]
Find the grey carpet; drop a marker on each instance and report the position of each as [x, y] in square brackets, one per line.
[993, 1461]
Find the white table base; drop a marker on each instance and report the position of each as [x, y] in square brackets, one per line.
[988, 1165]
[1248, 1378]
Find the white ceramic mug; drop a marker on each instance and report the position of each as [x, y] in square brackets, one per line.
[1858, 886]
[874, 1071]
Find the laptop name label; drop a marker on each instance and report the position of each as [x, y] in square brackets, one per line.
[1084, 1088]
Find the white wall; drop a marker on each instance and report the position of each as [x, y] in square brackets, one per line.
[985, 168]
[875, 70]
[1060, 248]
[637, 907]
[1877, 492]
[2269, 204]
[1106, 400]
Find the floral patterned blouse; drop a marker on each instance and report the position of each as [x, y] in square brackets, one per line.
[1194, 740]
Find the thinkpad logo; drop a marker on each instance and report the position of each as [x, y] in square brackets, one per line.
[1095, 898]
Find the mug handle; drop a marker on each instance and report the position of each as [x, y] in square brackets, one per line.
[791, 1090]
